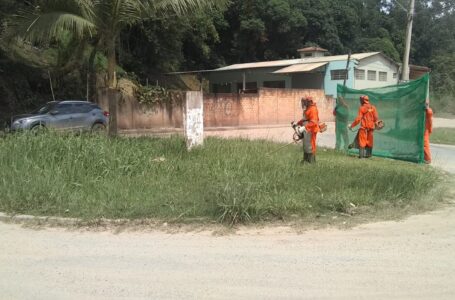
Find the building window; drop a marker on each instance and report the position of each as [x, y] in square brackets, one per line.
[308, 55]
[395, 75]
[275, 84]
[221, 88]
[359, 74]
[382, 76]
[372, 75]
[339, 74]
[250, 87]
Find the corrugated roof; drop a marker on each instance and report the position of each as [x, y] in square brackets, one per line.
[300, 68]
[263, 64]
[284, 63]
[311, 49]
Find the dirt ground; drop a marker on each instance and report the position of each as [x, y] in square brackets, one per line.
[413, 259]
[410, 259]
[440, 122]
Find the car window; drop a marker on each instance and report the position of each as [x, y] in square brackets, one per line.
[44, 109]
[64, 108]
[94, 106]
[82, 108]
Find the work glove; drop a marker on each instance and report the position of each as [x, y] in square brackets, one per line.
[349, 127]
[293, 124]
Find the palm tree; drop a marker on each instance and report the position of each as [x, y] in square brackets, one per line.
[100, 21]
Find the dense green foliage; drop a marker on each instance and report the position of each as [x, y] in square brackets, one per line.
[247, 30]
[230, 181]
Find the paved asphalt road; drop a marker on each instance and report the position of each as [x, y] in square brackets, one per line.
[411, 259]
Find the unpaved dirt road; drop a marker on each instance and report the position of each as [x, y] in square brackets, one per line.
[411, 259]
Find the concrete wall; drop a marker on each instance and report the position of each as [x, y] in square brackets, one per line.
[133, 115]
[267, 107]
[376, 63]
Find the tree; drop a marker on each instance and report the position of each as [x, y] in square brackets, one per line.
[172, 44]
[99, 21]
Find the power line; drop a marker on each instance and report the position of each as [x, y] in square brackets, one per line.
[401, 6]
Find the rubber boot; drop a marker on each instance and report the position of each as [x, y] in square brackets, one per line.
[307, 157]
[310, 158]
[362, 153]
[369, 152]
[313, 158]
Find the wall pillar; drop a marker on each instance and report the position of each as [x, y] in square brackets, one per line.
[193, 119]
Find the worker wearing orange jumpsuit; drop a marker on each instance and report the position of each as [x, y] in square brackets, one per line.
[309, 127]
[368, 118]
[428, 131]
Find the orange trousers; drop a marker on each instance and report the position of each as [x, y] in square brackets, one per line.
[365, 138]
[426, 146]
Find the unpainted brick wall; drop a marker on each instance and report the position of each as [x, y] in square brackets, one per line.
[267, 107]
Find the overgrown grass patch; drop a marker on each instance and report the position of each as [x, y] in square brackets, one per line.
[229, 181]
[443, 136]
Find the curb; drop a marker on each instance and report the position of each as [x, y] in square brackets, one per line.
[27, 219]
[443, 145]
[99, 222]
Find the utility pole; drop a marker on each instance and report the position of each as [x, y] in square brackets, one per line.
[405, 71]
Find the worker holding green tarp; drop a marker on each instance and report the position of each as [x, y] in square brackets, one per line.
[341, 131]
[401, 107]
[368, 119]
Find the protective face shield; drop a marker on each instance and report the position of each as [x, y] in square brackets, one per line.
[306, 101]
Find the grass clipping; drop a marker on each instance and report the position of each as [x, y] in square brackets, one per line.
[228, 181]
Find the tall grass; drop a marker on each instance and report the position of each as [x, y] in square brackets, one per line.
[226, 180]
[443, 136]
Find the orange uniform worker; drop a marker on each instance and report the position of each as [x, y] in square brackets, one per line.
[428, 131]
[309, 128]
[368, 118]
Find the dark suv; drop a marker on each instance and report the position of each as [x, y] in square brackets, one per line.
[63, 115]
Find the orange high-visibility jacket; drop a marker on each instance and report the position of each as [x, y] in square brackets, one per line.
[311, 119]
[367, 116]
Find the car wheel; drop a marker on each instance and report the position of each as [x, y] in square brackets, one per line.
[98, 128]
[37, 129]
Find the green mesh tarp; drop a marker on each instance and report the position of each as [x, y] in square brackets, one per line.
[401, 107]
